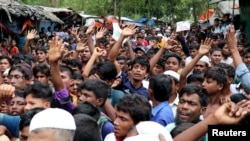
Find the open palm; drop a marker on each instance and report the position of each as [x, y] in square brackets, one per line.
[205, 46]
[31, 34]
[55, 49]
[129, 30]
[91, 28]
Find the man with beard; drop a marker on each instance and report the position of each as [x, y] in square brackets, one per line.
[192, 104]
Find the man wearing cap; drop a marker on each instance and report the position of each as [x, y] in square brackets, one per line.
[52, 124]
[174, 97]
[139, 51]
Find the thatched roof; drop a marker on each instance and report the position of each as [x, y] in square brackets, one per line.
[14, 8]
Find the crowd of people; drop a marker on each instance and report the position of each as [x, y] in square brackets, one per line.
[123, 84]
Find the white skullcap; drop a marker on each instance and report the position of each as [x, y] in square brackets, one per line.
[173, 74]
[205, 59]
[154, 129]
[53, 118]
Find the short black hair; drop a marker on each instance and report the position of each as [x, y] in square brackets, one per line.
[136, 106]
[27, 116]
[87, 108]
[86, 128]
[39, 90]
[99, 87]
[161, 85]
[67, 69]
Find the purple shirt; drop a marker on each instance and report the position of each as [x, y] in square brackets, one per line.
[63, 98]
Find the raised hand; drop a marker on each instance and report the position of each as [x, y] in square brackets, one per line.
[81, 45]
[31, 34]
[98, 51]
[73, 31]
[172, 42]
[91, 28]
[7, 91]
[231, 37]
[224, 115]
[205, 46]
[55, 49]
[129, 30]
[100, 33]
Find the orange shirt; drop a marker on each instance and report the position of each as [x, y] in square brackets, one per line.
[13, 50]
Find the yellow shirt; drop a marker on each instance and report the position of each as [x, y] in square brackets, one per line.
[74, 99]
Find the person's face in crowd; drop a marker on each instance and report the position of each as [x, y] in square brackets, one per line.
[216, 57]
[157, 69]
[66, 79]
[139, 41]
[225, 51]
[41, 78]
[225, 18]
[193, 52]
[173, 35]
[177, 50]
[168, 33]
[242, 38]
[17, 80]
[74, 86]
[32, 102]
[17, 106]
[172, 64]
[139, 53]
[85, 55]
[240, 48]
[88, 96]
[216, 23]
[41, 56]
[138, 72]
[44, 135]
[13, 43]
[200, 67]
[189, 108]
[154, 32]
[4, 107]
[246, 58]
[6, 80]
[24, 134]
[242, 27]
[33, 52]
[123, 65]
[122, 123]
[214, 42]
[4, 44]
[211, 86]
[149, 35]
[4, 64]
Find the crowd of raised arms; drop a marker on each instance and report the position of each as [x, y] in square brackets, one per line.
[123, 84]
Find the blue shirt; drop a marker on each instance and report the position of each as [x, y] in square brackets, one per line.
[11, 123]
[162, 113]
[243, 73]
[127, 87]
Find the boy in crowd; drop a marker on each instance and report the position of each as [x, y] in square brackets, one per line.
[130, 110]
[160, 89]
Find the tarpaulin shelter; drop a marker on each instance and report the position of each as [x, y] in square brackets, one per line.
[15, 16]
[206, 15]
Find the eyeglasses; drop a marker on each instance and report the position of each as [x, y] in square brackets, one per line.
[15, 76]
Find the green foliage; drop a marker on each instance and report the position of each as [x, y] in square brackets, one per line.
[167, 10]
